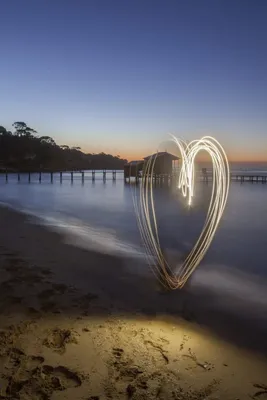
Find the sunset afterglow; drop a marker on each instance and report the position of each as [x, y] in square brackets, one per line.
[107, 87]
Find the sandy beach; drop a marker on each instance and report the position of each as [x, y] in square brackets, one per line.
[76, 324]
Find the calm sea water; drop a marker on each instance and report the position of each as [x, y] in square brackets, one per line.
[97, 215]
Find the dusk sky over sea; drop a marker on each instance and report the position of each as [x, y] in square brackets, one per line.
[118, 76]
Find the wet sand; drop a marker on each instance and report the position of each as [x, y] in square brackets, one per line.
[76, 324]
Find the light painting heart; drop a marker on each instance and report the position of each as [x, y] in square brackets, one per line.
[146, 215]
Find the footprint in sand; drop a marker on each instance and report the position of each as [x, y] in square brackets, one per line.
[262, 390]
[60, 377]
[26, 378]
[117, 352]
[58, 339]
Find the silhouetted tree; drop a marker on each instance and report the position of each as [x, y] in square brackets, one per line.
[47, 140]
[4, 132]
[64, 147]
[22, 129]
[25, 151]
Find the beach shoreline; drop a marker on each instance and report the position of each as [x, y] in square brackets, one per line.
[77, 324]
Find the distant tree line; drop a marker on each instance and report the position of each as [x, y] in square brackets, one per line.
[23, 150]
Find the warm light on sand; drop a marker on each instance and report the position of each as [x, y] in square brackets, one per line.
[146, 215]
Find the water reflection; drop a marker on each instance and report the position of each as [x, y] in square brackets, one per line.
[240, 242]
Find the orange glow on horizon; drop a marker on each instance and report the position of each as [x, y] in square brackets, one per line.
[233, 157]
[246, 158]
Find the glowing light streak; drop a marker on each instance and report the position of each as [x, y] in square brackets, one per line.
[146, 215]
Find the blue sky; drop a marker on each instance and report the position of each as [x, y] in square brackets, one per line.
[117, 76]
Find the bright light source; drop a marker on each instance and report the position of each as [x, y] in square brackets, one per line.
[146, 215]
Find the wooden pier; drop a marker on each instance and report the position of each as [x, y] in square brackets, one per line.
[46, 176]
[249, 178]
[239, 177]
[113, 175]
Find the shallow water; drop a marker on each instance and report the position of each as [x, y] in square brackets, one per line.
[101, 216]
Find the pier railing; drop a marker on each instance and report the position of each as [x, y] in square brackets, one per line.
[45, 176]
[113, 175]
[239, 176]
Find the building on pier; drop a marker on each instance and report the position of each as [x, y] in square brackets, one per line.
[165, 165]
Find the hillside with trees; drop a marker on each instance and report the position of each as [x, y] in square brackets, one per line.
[24, 150]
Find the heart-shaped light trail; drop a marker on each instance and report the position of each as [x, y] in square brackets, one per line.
[146, 216]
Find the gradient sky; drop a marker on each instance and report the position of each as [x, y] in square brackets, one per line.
[117, 76]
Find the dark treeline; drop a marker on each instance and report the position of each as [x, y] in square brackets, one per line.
[23, 150]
